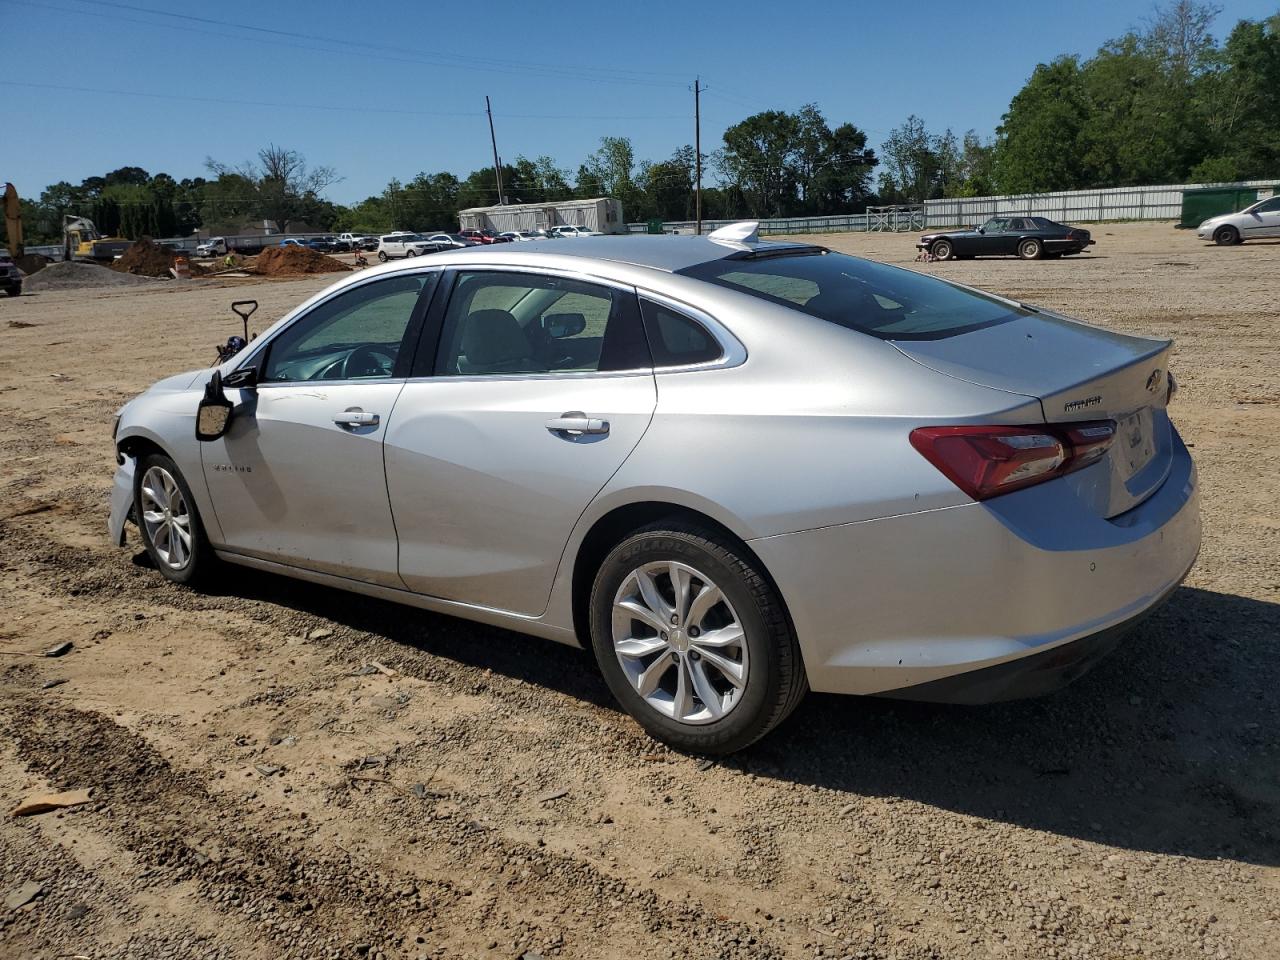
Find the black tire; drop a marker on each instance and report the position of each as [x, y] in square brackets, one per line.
[382, 256]
[942, 250]
[1030, 249]
[1227, 236]
[410, 253]
[14, 291]
[775, 679]
[201, 561]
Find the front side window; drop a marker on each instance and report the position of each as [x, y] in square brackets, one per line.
[519, 323]
[356, 335]
[1268, 206]
[872, 298]
[996, 225]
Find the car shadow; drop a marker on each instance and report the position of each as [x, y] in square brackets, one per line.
[1169, 745]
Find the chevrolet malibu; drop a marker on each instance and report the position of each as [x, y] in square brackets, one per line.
[734, 470]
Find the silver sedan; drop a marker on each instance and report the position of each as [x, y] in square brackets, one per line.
[735, 470]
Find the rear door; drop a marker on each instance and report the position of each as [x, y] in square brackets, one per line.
[541, 387]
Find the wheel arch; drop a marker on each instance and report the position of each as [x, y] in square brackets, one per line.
[615, 525]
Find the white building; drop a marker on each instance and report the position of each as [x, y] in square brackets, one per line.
[603, 214]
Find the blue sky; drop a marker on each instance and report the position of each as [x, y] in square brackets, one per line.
[403, 84]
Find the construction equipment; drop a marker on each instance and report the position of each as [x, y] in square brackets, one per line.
[82, 241]
[13, 220]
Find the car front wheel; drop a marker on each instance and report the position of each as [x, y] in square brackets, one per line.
[942, 250]
[693, 640]
[169, 522]
[382, 256]
[1226, 236]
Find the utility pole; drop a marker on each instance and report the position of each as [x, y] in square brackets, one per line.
[497, 166]
[697, 151]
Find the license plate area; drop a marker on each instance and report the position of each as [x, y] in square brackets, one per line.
[1135, 443]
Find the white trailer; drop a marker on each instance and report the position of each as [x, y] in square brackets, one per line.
[602, 214]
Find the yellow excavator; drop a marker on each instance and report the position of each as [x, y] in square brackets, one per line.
[82, 241]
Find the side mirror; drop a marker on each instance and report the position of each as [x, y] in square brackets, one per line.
[213, 416]
[562, 325]
[980, 229]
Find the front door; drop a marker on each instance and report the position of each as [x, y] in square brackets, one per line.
[298, 478]
[541, 388]
[1264, 220]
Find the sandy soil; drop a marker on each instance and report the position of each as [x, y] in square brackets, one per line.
[261, 792]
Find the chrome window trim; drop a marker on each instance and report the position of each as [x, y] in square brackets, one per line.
[732, 351]
[257, 346]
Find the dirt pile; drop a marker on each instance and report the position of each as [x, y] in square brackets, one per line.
[146, 258]
[73, 275]
[294, 261]
[30, 263]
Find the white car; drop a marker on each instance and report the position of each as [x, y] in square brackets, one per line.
[522, 236]
[213, 247]
[1262, 219]
[405, 245]
[568, 230]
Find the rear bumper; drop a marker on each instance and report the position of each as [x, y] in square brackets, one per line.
[894, 606]
[1031, 676]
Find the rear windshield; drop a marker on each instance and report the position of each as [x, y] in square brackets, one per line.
[883, 301]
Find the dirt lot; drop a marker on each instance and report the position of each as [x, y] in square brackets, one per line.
[260, 792]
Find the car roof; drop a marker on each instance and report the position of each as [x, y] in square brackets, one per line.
[668, 253]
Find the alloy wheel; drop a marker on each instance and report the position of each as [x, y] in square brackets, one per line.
[166, 518]
[679, 642]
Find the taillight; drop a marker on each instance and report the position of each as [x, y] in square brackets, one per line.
[986, 461]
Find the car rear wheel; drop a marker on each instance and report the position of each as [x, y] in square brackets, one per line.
[382, 256]
[1226, 236]
[169, 522]
[1030, 249]
[693, 640]
[941, 250]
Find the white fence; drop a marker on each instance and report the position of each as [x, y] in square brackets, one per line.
[1163, 202]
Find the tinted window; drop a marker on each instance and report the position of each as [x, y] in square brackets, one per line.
[675, 339]
[353, 336]
[1270, 206]
[513, 323]
[886, 302]
[995, 225]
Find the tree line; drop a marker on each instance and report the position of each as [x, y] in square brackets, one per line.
[1165, 103]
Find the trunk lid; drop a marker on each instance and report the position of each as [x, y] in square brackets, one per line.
[1078, 373]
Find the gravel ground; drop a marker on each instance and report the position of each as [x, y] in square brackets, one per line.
[259, 791]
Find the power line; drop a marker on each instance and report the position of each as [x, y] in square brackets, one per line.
[326, 106]
[376, 50]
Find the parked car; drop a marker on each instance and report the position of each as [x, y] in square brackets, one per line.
[736, 470]
[338, 245]
[370, 243]
[353, 241]
[1030, 238]
[293, 242]
[566, 230]
[1261, 219]
[10, 275]
[483, 236]
[453, 240]
[523, 236]
[406, 245]
[213, 247]
[322, 244]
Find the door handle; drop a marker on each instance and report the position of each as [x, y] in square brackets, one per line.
[355, 417]
[575, 423]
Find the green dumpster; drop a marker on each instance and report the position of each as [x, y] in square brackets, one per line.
[1199, 205]
[655, 226]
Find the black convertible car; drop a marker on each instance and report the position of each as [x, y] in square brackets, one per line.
[1027, 237]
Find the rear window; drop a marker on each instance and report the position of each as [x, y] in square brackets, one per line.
[885, 302]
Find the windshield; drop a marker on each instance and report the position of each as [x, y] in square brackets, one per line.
[868, 297]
